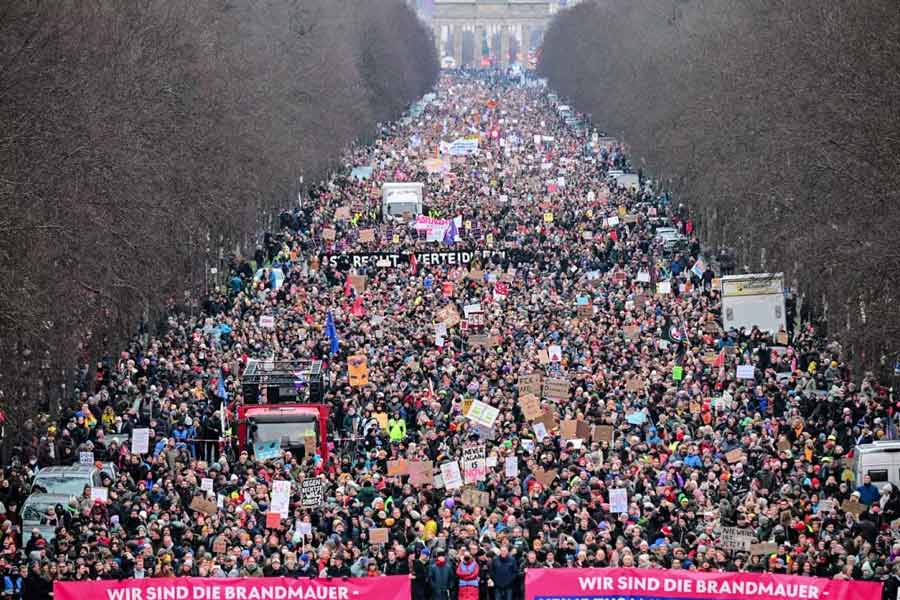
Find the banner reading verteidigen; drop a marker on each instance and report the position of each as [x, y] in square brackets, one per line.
[259, 588]
[652, 584]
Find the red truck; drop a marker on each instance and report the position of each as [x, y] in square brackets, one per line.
[282, 402]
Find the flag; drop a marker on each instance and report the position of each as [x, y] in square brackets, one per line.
[698, 269]
[451, 234]
[720, 359]
[332, 333]
[413, 263]
[221, 392]
[348, 286]
[357, 309]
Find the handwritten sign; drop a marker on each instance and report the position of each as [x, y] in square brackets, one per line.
[312, 492]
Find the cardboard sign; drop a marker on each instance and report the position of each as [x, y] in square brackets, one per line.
[99, 493]
[482, 341]
[342, 213]
[312, 492]
[329, 234]
[358, 370]
[378, 536]
[472, 497]
[854, 507]
[201, 504]
[634, 384]
[585, 311]
[709, 358]
[603, 433]
[632, 332]
[273, 520]
[567, 429]
[543, 357]
[397, 467]
[735, 456]
[266, 322]
[530, 384]
[763, 548]
[86, 458]
[366, 235]
[734, 538]
[557, 389]
[545, 477]
[421, 472]
[309, 445]
[781, 338]
[548, 421]
[531, 406]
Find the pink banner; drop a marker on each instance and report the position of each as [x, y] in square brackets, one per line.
[261, 588]
[651, 584]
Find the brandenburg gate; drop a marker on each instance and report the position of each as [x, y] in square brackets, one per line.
[493, 20]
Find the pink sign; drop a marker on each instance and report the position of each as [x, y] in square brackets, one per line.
[207, 588]
[562, 584]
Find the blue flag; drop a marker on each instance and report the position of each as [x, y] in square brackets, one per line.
[450, 236]
[221, 392]
[332, 333]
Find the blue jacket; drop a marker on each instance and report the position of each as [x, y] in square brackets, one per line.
[868, 493]
[504, 572]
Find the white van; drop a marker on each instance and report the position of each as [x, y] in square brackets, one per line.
[880, 461]
[398, 199]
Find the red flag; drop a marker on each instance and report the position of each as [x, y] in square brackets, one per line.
[348, 287]
[720, 359]
[413, 263]
[357, 310]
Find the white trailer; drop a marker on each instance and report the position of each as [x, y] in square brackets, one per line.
[398, 199]
[754, 301]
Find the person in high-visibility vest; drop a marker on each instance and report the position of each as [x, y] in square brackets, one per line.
[397, 428]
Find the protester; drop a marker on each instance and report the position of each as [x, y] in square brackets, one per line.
[645, 446]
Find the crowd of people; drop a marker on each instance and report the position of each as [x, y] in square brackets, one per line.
[575, 287]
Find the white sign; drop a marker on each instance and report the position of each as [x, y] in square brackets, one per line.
[206, 484]
[99, 493]
[451, 476]
[267, 322]
[512, 466]
[281, 498]
[618, 500]
[474, 465]
[540, 430]
[555, 353]
[469, 309]
[664, 288]
[140, 441]
[745, 372]
[86, 458]
[483, 414]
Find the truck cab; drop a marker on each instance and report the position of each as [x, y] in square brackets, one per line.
[879, 460]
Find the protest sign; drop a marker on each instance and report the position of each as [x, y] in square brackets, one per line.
[358, 370]
[483, 414]
[378, 536]
[745, 372]
[206, 484]
[763, 548]
[511, 466]
[266, 322]
[273, 520]
[530, 384]
[366, 235]
[267, 450]
[329, 234]
[473, 463]
[531, 406]
[603, 433]
[472, 497]
[736, 455]
[397, 467]
[451, 475]
[201, 504]
[556, 388]
[100, 493]
[358, 283]
[853, 507]
[545, 477]
[734, 538]
[482, 341]
[342, 213]
[618, 500]
[86, 458]
[421, 472]
[312, 492]
[568, 428]
[140, 441]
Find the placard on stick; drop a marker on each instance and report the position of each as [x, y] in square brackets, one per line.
[378, 536]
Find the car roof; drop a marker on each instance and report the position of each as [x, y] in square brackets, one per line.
[48, 499]
[70, 470]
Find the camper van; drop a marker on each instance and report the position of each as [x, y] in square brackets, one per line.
[880, 461]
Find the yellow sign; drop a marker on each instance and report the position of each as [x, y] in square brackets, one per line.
[489, 239]
[548, 217]
[622, 212]
[358, 370]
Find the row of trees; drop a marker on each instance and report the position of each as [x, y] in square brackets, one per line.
[140, 137]
[775, 120]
